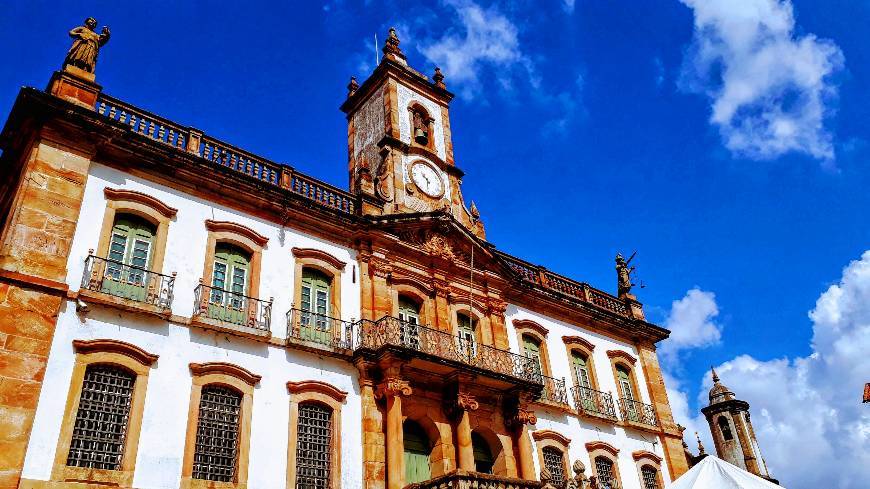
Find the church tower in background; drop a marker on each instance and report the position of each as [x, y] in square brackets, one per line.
[732, 430]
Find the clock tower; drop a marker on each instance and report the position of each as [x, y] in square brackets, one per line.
[400, 153]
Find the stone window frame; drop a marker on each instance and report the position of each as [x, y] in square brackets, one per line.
[414, 106]
[539, 333]
[419, 294]
[241, 236]
[643, 458]
[627, 361]
[597, 449]
[479, 317]
[121, 201]
[106, 352]
[238, 379]
[550, 438]
[586, 348]
[327, 395]
[325, 263]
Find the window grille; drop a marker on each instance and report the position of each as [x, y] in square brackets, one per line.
[604, 469]
[217, 434]
[553, 460]
[101, 421]
[650, 481]
[313, 446]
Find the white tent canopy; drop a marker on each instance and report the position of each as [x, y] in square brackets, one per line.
[713, 472]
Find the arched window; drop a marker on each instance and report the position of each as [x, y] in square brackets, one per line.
[555, 463]
[421, 122]
[314, 323]
[100, 427]
[313, 446]
[725, 428]
[129, 257]
[606, 474]
[483, 459]
[625, 387]
[229, 281]
[467, 334]
[217, 434]
[416, 452]
[409, 315]
[650, 477]
[532, 349]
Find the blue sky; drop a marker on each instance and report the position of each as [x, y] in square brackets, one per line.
[726, 141]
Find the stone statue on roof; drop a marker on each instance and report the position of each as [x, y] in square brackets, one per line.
[86, 45]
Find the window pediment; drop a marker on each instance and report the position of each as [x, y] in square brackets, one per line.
[200, 369]
[237, 229]
[140, 198]
[621, 355]
[318, 387]
[115, 346]
[319, 255]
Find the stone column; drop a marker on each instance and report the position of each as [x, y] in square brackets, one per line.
[441, 321]
[464, 404]
[374, 465]
[518, 416]
[392, 389]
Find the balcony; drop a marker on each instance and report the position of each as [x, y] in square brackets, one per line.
[594, 403]
[318, 332]
[231, 312]
[474, 480]
[110, 281]
[440, 353]
[637, 414]
[554, 392]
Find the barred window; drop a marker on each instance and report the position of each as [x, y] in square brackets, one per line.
[217, 434]
[604, 470]
[650, 479]
[553, 461]
[313, 446]
[101, 421]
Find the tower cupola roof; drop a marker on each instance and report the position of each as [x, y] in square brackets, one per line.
[720, 392]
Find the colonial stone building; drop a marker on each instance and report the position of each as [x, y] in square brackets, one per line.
[176, 311]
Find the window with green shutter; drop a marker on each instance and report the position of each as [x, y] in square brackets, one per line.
[532, 349]
[129, 257]
[624, 377]
[314, 320]
[584, 382]
[467, 336]
[229, 283]
[416, 452]
[483, 459]
[409, 317]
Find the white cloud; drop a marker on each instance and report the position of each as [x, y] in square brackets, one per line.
[770, 88]
[691, 324]
[568, 5]
[807, 411]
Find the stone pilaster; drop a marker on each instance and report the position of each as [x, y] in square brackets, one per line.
[374, 439]
[518, 416]
[392, 389]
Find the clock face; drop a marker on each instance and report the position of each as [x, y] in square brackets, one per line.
[427, 179]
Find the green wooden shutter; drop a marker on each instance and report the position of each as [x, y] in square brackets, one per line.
[416, 453]
[315, 324]
[467, 339]
[581, 374]
[532, 349]
[409, 315]
[230, 284]
[131, 245]
[624, 382]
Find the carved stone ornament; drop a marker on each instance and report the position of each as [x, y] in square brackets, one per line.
[496, 306]
[86, 45]
[380, 267]
[580, 480]
[438, 245]
[546, 478]
[467, 402]
[442, 288]
[384, 175]
[393, 386]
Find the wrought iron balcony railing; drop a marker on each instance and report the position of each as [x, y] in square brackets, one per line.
[128, 282]
[474, 480]
[554, 391]
[232, 307]
[594, 402]
[308, 326]
[637, 412]
[391, 331]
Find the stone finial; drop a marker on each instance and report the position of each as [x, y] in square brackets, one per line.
[86, 46]
[475, 214]
[352, 87]
[438, 77]
[715, 377]
[391, 46]
[546, 478]
[700, 445]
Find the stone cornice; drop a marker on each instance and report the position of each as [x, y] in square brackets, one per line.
[200, 369]
[115, 346]
[235, 228]
[318, 387]
[144, 199]
[319, 255]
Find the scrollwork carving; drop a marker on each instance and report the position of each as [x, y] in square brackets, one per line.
[393, 386]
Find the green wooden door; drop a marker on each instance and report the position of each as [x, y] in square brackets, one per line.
[627, 393]
[467, 337]
[409, 317]
[314, 320]
[483, 460]
[581, 374]
[532, 350]
[416, 453]
[229, 284]
[129, 258]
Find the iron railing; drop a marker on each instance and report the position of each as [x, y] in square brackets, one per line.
[391, 331]
[554, 391]
[594, 402]
[231, 307]
[637, 412]
[474, 480]
[128, 282]
[318, 328]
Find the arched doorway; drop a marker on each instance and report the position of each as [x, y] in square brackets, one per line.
[417, 449]
[483, 459]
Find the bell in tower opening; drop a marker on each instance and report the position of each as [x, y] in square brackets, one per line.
[421, 127]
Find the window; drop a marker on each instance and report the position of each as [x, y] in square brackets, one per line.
[409, 315]
[554, 462]
[128, 259]
[229, 282]
[624, 377]
[605, 472]
[467, 337]
[217, 434]
[483, 459]
[314, 446]
[100, 427]
[650, 477]
[725, 428]
[532, 349]
[315, 311]
[420, 120]
[416, 452]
